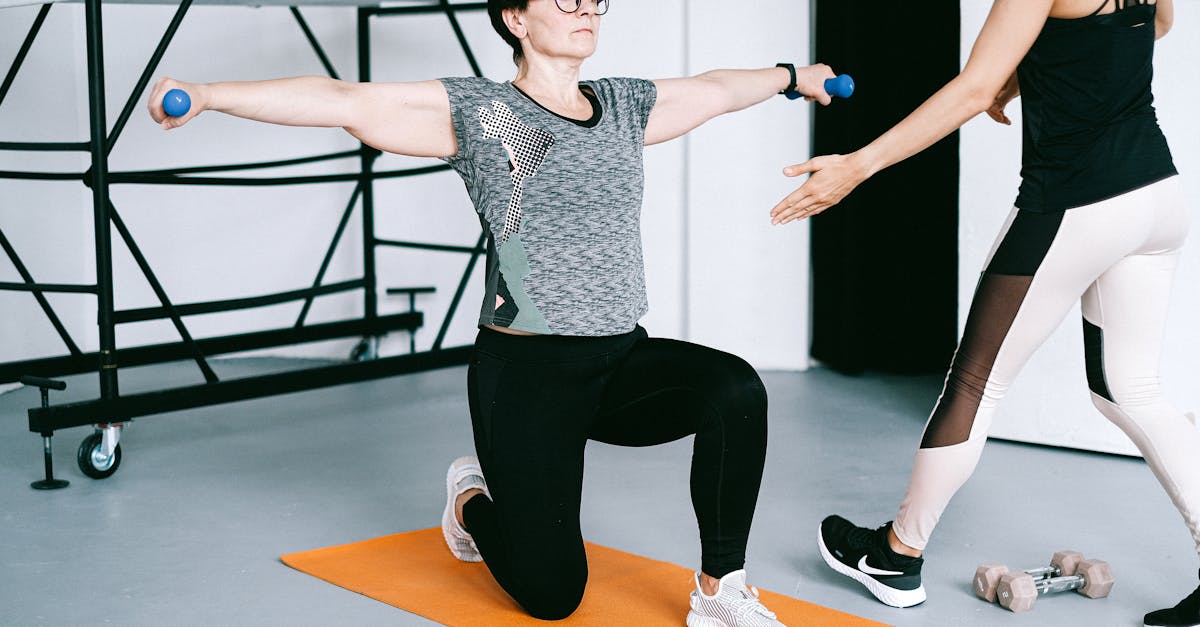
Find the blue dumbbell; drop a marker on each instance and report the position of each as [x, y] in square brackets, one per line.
[839, 87]
[176, 103]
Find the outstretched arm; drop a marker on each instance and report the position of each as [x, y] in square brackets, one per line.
[685, 103]
[1010, 30]
[404, 118]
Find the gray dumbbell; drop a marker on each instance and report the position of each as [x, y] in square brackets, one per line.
[1018, 591]
[987, 576]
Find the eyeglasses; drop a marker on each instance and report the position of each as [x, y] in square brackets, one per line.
[571, 6]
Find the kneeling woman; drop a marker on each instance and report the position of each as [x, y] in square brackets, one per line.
[554, 169]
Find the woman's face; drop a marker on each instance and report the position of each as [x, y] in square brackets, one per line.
[546, 30]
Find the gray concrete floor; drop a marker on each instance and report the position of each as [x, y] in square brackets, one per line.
[189, 530]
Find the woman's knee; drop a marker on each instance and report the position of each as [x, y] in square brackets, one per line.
[552, 596]
[1111, 386]
[737, 389]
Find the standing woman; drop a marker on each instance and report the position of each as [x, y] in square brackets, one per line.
[554, 168]
[1100, 218]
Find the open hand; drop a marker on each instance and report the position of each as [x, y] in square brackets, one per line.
[833, 177]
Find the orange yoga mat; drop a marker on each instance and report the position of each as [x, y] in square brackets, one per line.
[415, 572]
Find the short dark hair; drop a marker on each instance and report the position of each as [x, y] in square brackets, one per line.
[496, 10]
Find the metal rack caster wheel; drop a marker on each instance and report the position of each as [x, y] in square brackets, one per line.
[92, 463]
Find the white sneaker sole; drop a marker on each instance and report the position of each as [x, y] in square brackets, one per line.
[696, 620]
[885, 594]
[464, 551]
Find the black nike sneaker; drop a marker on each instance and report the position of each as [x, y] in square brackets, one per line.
[865, 556]
[1186, 614]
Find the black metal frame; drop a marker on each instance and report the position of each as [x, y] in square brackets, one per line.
[111, 406]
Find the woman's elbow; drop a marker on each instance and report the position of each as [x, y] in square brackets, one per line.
[973, 93]
[1161, 28]
[978, 101]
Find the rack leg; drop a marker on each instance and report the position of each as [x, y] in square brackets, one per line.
[49, 483]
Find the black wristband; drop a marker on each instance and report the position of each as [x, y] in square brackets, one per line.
[792, 77]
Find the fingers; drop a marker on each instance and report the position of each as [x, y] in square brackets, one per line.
[826, 73]
[155, 104]
[812, 165]
[810, 81]
[797, 206]
[787, 207]
[807, 167]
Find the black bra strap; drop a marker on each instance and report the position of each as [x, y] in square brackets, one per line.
[1101, 7]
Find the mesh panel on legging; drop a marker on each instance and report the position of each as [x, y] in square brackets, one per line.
[997, 300]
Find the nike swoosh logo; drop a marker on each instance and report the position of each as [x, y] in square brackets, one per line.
[866, 568]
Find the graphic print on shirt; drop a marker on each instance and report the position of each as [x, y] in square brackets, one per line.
[527, 148]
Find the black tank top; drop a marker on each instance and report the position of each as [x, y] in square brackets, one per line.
[1090, 132]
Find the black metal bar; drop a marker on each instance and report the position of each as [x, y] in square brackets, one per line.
[412, 335]
[412, 306]
[245, 166]
[151, 66]
[337, 237]
[41, 176]
[38, 291]
[423, 246]
[462, 38]
[46, 146]
[316, 45]
[41, 382]
[24, 50]
[161, 293]
[146, 179]
[176, 399]
[411, 290]
[52, 288]
[157, 313]
[159, 353]
[367, 181]
[433, 8]
[99, 183]
[462, 287]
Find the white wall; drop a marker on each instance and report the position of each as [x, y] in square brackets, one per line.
[717, 272]
[1049, 402]
[747, 281]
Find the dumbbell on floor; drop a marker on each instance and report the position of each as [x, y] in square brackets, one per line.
[987, 576]
[1018, 591]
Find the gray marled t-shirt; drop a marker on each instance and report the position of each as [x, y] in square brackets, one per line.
[561, 202]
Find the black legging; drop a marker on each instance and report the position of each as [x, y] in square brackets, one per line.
[536, 401]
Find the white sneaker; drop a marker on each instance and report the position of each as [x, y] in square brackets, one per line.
[464, 474]
[734, 605]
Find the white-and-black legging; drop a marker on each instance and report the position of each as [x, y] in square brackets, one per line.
[1117, 257]
[535, 403]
